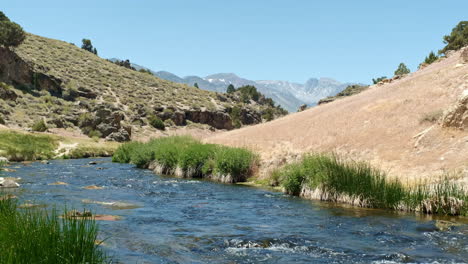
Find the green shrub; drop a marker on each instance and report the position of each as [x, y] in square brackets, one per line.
[2, 121]
[377, 80]
[39, 126]
[94, 134]
[156, 122]
[37, 236]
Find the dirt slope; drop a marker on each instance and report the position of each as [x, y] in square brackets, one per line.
[382, 125]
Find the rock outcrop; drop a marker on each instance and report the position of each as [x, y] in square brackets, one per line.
[17, 72]
[216, 119]
[457, 116]
[8, 183]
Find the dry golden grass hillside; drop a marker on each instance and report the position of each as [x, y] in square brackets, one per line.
[395, 126]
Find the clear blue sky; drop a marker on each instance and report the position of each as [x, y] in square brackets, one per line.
[257, 39]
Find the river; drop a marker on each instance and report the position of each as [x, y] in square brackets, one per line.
[170, 220]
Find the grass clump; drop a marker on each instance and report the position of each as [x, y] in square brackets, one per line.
[39, 126]
[21, 147]
[187, 157]
[330, 178]
[432, 117]
[36, 236]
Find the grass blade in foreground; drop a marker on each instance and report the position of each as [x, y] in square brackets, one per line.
[36, 236]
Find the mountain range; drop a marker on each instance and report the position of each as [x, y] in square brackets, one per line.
[289, 95]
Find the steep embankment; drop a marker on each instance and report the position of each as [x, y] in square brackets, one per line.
[396, 126]
[69, 87]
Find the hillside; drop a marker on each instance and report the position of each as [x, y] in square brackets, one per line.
[396, 126]
[288, 95]
[73, 88]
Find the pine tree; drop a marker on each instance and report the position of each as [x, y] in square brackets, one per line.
[431, 58]
[230, 89]
[87, 45]
[402, 70]
[457, 39]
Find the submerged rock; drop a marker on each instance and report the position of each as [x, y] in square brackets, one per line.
[443, 225]
[7, 197]
[75, 213]
[31, 205]
[58, 183]
[113, 205]
[88, 215]
[93, 187]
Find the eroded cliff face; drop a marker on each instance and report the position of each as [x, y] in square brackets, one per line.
[19, 73]
[457, 115]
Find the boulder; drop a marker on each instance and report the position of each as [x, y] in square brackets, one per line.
[120, 136]
[4, 160]
[179, 118]
[106, 129]
[8, 183]
[464, 55]
[6, 93]
[457, 116]
[86, 93]
[249, 117]
[216, 119]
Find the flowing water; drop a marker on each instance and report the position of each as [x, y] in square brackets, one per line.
[169, 220]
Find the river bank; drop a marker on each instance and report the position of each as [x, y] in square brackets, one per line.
[317, 176]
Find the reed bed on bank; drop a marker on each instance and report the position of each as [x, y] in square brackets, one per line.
[186, 157]
[330, 178]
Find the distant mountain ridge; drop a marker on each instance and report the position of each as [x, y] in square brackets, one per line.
[289, 95]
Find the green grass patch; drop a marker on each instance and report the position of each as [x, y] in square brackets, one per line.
[21, 147]
[37, 236]
[82, 152]
[187, 157]
[330, 178]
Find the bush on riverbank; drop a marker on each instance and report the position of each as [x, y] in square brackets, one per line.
[187, 157]
[330, 178]
[35, 236]
[21, 147]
